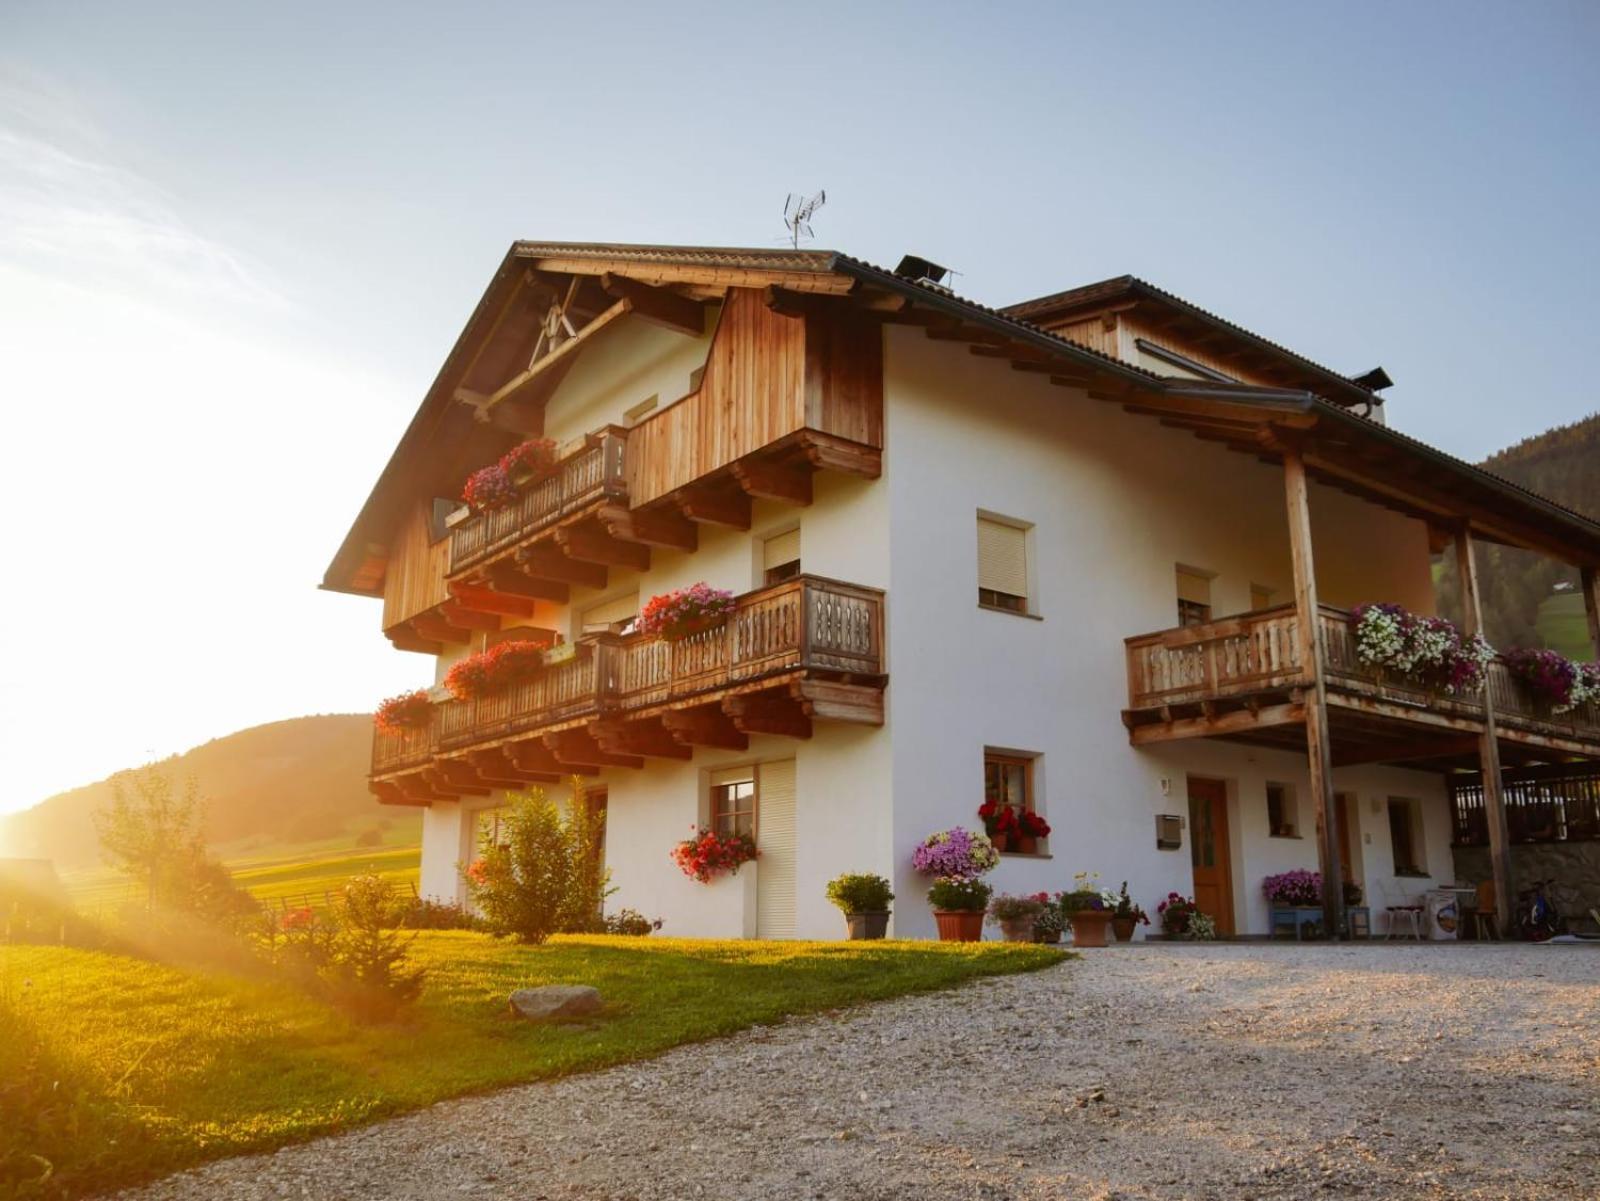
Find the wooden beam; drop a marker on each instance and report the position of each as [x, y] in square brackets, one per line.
[560, 355]
[763, 713]
[437, 780]
[580, 747]
[1406, 752]
[649, 738]
[545, 561]
[591, 543]
[435, 628]
[390, 793]
[487, 600]
[840, 454]
[504, 577]
[787, 303]
[1494, 807]
[713, 507]
[658, 527]
[1239, 721]
[832, 700]
[405, 638]
[705, 725]
[1313, 658]
[496, 766]
[534, 756]
[784, 482]
[464, 616]
[659, 306]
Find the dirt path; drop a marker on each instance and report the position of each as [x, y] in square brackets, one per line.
[1158, 1071]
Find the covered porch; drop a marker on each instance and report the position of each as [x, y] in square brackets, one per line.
[1290, 678]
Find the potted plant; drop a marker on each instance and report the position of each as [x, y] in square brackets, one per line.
[1013, 829]
[404, 713]
[529, 460]
[1352, 893]
[956, 858]
[705, 854]
[1047, 927]
[1428, 652]
[1554, 680]
[1088, 910]
[864, 899]
[1298, 889]
[1125, 915]
[499, 667]
[489, 488]
[687, 611]
[958, 907]
[1015, 916]
[1176, 913]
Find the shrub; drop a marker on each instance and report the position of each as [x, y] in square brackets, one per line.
[545, 876]
[956, 854]
[419, 913]
[967, 896]
[631, 923]
[370, 838]
[860, 892]
[408, 711]
[676, 615]
[705, 854]
[1008, 908]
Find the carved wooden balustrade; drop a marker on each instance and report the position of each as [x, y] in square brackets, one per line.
[595, 473]
[804, 626]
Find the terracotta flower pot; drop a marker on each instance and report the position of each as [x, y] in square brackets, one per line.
[867, 925]
[1089, 927]
[1025, 844]
[1002, 842]
[1017, 929]
[959, 925]
[1122, 927]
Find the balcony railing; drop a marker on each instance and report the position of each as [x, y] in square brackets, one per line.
[1260, 652]
[804, 625]
[593, 473]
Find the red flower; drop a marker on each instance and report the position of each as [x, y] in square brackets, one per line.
[489, 488]
[502, 665]
[408, 711]
[535, 456]
[706, 855]
[478, 872]
[298, 919]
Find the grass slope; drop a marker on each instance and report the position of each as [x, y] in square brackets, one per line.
[278, 877]
[117, 1069]
[1564, 626]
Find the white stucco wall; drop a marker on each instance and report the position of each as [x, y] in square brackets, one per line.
[1117, 501]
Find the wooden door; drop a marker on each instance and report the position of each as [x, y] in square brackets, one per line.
[775, 839]
[1208, 851]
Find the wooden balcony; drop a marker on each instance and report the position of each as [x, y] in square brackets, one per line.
[1242, 678]
[807, 649]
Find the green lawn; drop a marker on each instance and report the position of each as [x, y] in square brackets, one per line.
[1564, 626]
[114, 1069]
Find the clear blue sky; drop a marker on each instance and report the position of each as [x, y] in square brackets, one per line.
[236, 241]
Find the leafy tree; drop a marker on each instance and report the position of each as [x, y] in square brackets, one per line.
[543, 874]
[151, 831]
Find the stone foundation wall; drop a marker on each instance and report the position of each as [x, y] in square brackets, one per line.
[1576, 865]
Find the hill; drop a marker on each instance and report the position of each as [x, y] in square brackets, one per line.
[272, 788]
[1527, 598]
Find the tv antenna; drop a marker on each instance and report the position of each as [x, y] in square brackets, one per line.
[797, 212]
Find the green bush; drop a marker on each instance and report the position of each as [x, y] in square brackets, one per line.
[419, 913]
[860, 892]
[970, 896]
[368, 973]
[544, 876]
[632, 923]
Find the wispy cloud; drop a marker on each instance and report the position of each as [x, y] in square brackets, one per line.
[69, 211]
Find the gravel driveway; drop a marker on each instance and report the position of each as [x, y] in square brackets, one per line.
[1155, 1071]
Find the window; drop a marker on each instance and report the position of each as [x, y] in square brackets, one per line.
[1002, 565]
[1194, 597]
[1282, 819]
[1260, 598]
[733, 801]
[440, 510]
[1008, 782]
[640, 411]
[612, 616]
[1405, 837]
[780, 557]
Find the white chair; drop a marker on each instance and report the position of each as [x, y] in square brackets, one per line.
[1402, 910]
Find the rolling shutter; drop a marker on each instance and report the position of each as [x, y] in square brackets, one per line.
[609, 613]
[780, 549]
[1002, 557]
[775, 838]
[1193, 588]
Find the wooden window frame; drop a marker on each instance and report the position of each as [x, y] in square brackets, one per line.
[753, 812]
[1414, 845]
[1288, 808]
[996, 601]
[1030, 799]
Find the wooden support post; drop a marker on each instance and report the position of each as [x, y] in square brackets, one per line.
[1591, 607]
[1319, 755]
[1494, 807]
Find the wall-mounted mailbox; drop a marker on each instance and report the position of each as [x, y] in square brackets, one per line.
[1169, 831]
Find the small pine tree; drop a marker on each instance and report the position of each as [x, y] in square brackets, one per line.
[368, 971]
